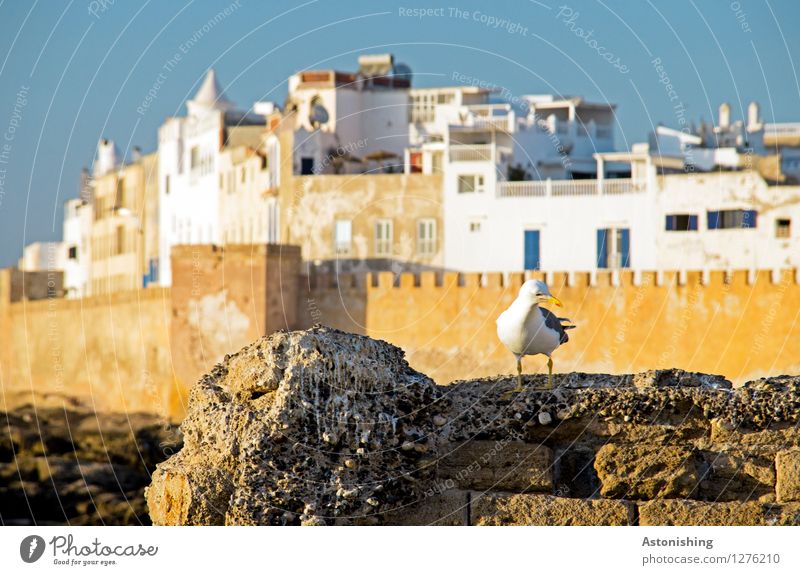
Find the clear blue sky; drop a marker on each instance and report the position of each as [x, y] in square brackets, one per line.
[83, 75]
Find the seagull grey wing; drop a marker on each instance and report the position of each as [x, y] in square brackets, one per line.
[552, 321]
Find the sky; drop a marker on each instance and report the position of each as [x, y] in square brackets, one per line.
[72, 72]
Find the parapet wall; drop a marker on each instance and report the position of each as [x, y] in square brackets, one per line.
[741, 324]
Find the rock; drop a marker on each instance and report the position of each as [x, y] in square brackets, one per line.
[545, 418]
[787, 466]
[548, 510]
[646, 471]
[498, 465]
[439, 421]
[361, 391]
[687, 512]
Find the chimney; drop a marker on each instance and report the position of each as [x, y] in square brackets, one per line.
[136, 154]
[753, 117]
[724, 115]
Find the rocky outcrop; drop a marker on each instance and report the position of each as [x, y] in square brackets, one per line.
[322, 427]
[75, 467]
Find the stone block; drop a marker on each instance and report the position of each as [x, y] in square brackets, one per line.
[498, 465]
[733, 473]
[689, 512]
[787, 468]
[646, 471]
[448, 508]
[541, 510]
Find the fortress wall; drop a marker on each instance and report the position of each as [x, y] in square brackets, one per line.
[743, 325]
[109, 352]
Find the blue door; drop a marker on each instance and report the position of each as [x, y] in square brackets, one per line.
[532, 261]
[625, 248]
[602, 249]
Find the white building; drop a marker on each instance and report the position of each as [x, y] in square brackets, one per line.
[189, 178]
[535, 138]
[657, 219]
[42, 257]
[77, 244]
[350, 121]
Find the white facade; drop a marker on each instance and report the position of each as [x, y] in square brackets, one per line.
[346, 122]
[77, 244]
[188, 155]
[42, 256]
[565, 221]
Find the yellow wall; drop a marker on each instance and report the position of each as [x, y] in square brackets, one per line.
[735, 328]
[142, 350]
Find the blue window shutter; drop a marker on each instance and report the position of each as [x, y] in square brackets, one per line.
[625, 247]
[532, 250]
[693, 222]
[713, 220]
[750, 219]
[670, 225]
[602, 249]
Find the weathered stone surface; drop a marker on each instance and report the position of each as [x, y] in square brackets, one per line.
[323, 427]
[732, 473]
[688, 512]
[787, 467]
[314, 427]
[448, 508]
[490, 509]
[499, 465]
[646, 471]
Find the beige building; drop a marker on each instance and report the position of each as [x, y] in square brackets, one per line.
[248, 201]
[124, 239]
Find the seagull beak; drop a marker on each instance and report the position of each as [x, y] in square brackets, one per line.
[554, 300]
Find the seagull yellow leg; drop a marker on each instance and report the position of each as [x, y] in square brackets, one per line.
[519, 375]
[550, 372]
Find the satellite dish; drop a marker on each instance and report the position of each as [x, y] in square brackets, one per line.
[403, 71]
[319, 115]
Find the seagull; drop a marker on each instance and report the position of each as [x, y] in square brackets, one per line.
[526, 328]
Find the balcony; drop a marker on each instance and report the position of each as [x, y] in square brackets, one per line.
[567, 188]
[472, 153]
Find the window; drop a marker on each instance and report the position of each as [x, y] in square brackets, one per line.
[426, 237]
[681, 223]
[306, 166]
[120, 198]
[475, 226]
[73, 253]
[120, 240]
[384, 233]
[783, 228]
[194, 158]
[343, 235]
[166, 185]
[729, 219]
[469, 184]
[613, 248]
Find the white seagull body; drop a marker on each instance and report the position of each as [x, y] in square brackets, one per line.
[525, 328]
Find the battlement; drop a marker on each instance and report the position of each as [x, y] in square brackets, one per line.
[556, 280]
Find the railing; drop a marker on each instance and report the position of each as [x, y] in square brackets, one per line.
[562, 188]
[574, 188]
[499, 122]
[782, 129]
[527, 189]
[471, 153]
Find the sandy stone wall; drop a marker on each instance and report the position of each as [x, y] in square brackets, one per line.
[743, 325]
[110, 353]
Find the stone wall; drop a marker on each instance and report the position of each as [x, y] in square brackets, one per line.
[109, 353]
[147, 348]
[743, 325]
[323, 427]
